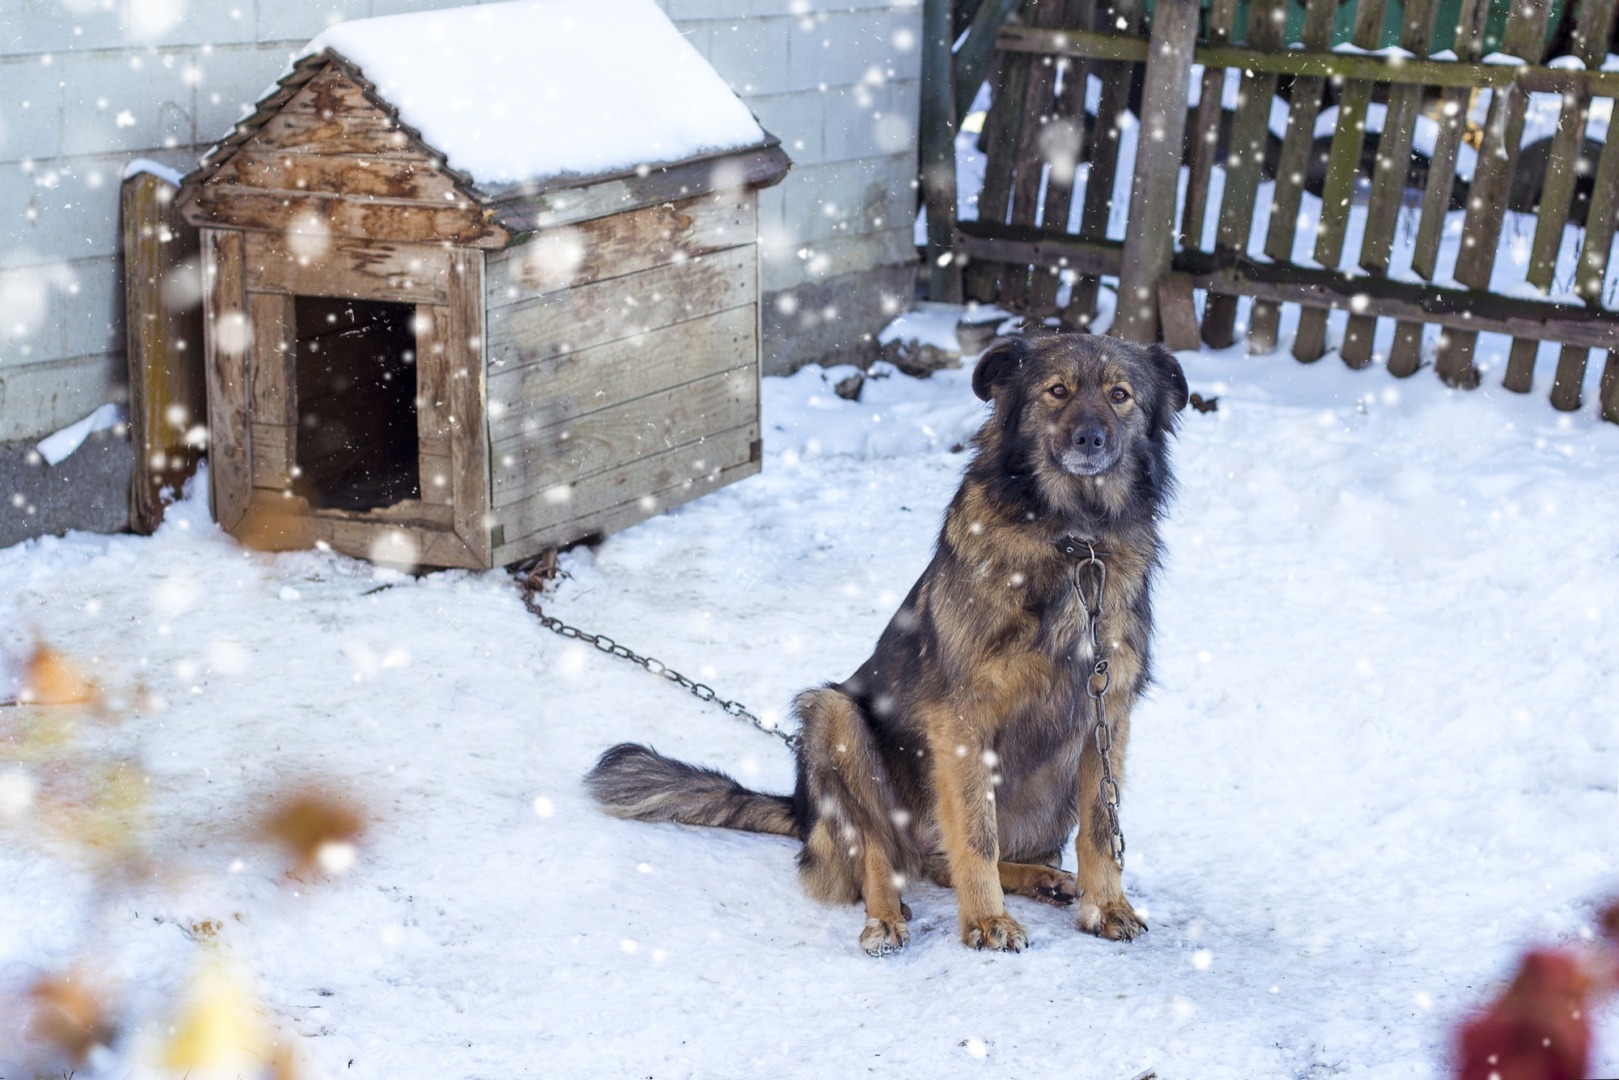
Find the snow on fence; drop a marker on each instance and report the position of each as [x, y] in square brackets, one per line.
[1426, 219]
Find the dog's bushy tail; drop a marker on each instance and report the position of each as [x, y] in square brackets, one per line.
[637, 782]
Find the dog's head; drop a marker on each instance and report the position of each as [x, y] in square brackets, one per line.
[1085, 414]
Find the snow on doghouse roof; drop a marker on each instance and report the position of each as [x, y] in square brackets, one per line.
[533, 90]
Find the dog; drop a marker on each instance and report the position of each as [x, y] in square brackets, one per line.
[964, 749]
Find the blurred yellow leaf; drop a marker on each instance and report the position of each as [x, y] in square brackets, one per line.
[220, 1030]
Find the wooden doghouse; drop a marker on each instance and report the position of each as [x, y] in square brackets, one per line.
[478, 282]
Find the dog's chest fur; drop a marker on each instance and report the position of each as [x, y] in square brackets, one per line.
[996, 620]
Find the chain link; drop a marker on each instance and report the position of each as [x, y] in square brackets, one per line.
[1096, 686]
[701, 691]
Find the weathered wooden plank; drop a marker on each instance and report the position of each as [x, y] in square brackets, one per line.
[1600, 221]
[1593, 31]
[1039, 247]
[1455, 309]
[225, 362]
[274, 352]
[1206, 131]
[330, 92]
[1405, 356]
[1029, 169]
[273, 450]
[1388, 177]
[1103, 155]
[1003, 131]
[436, 545]
[373, 133]
[1532, 78]
[348, 267]
[614, 519]
[937, 150]
[1149, 243]
[247, 208]
[545, 326]
[1065, 141]
[354, 176]
[571, 256]
[557, 389]
[525, 208]
[1608, 388]
[1337, 191]
[163, 340]
[1249, 135]
[1292, 165]
[973, 57]
[629, 484]
[434, 462]
[566, 453]
[470, 471]
[1525, 37]
[1177, 312]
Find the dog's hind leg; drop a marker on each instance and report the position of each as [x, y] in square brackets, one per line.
[1048, 884]
[854, 847]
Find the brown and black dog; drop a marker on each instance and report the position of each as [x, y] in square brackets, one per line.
[963, 749]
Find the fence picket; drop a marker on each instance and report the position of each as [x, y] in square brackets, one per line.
[1388, 178]
[1593, 30]
[1124, 17]
[1588, 281]
[1406, 354]
[1525, 38]
[1206, 129]
[1264, 322]
[1343, 165]
[1250, 131]
[1003, 131]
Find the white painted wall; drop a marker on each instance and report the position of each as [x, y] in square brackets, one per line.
[87, 85]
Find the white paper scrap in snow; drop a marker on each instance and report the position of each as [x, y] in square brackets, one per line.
[537, 89]
[57, 448]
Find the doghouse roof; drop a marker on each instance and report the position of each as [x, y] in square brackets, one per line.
[492, 111]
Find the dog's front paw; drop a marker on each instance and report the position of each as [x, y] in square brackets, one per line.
[994, 932]
[1115, 920]
[884, 936]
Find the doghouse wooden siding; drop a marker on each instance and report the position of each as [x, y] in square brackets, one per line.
[586, 348]
[630, 383]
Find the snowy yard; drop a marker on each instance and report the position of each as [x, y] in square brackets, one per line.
[1381, 757]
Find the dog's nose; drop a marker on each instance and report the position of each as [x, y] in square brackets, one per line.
[1090, 437]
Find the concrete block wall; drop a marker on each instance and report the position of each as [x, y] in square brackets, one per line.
[87, 85]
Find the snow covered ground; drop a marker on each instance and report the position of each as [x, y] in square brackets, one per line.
[1381, 757]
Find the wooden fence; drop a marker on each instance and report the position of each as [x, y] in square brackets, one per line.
[1041, 244]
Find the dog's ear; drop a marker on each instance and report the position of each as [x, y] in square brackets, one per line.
[999, 363]
[1174, 393]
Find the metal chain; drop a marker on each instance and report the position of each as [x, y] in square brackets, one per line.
[1096, 687]
[701, 691]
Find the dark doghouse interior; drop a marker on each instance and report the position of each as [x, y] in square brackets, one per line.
[356, 392]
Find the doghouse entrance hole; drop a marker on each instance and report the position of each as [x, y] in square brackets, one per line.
[356, 391]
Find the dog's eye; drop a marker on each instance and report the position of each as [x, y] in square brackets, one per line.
[1058, 391]
[1119, 395]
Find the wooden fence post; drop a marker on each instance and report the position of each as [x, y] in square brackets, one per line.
[1149, 242]
[163, 326]
[938, 151]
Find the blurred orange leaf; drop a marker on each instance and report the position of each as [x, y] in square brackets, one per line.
[317, 829]
[49, 679]
[69, 1015]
